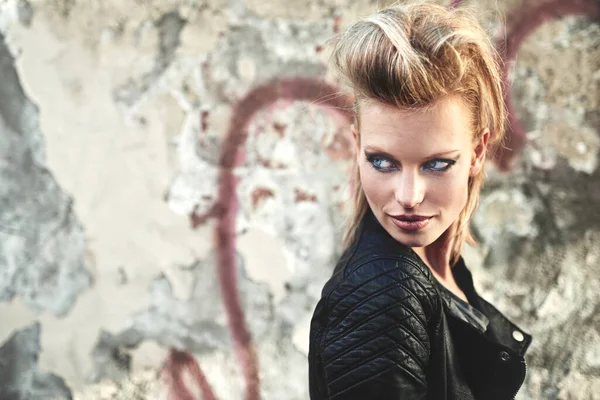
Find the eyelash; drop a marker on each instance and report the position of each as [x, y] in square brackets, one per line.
[372, 158]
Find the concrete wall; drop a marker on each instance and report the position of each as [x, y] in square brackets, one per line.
[133, 266]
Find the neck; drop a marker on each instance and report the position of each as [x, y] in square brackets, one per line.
[437, 254]
[439, 264]
[437, 258]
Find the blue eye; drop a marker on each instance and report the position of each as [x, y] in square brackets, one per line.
[380, 163]
[440, 165]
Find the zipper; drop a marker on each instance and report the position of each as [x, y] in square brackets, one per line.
[470, 327]
[522, 380]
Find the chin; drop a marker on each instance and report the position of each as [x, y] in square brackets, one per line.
[420, 239]
[411, 242]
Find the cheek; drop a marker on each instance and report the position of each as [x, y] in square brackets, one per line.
[450, 194]
[374, 184]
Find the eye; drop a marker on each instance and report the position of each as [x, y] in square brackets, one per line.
[439, 165]
[380, 163]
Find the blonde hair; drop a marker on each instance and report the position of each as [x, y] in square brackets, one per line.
[410, 56]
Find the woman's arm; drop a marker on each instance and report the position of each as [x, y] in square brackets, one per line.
[376, 345]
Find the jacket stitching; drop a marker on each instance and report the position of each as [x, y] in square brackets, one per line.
[408, 372]
[329, 296]
[383, 333]
[322, 341]
[360, 324]
[355, 288]
[375, 357]
[375, 375]
[362, 264]
[364, 301]
[422, 326]
[409, 261]
[398, 281]
[387, 308]
[426, 290]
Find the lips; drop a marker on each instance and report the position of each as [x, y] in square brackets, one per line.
[411, 223]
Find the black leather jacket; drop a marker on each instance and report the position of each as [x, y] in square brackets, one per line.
[382, 330]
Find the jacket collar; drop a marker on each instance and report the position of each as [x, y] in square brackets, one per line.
[372, 234]
[504, 330]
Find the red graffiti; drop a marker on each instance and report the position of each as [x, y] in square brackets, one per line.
[177, 364]
[313, 90]
[338, 105]
[294, 89]
[518, 27]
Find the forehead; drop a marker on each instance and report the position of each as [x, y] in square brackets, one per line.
[443, 126]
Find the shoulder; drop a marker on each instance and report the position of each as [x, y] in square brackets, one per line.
[370, 332]
[378, 268]
[395, 286]
[378, 278]
[371, 329]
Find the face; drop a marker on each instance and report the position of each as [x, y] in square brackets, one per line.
[415, 165]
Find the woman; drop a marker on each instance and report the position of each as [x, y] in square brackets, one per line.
[400, 319]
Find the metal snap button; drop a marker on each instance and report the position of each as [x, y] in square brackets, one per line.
[518, 336]
[504, 356]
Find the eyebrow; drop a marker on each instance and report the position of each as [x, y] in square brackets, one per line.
[372, 149]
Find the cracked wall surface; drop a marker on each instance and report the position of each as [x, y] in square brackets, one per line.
[41, 257]
[21, 376]
[131, 263]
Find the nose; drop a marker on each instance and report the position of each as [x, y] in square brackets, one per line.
[410, 190]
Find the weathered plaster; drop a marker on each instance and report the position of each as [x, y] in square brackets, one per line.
[135, 100]
[41, 257]
[21, 378]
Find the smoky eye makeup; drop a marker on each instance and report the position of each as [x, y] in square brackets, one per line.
[383, 162]
[380, 161]
[439, 164]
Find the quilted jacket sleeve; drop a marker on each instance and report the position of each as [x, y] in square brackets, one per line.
[377, 345]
